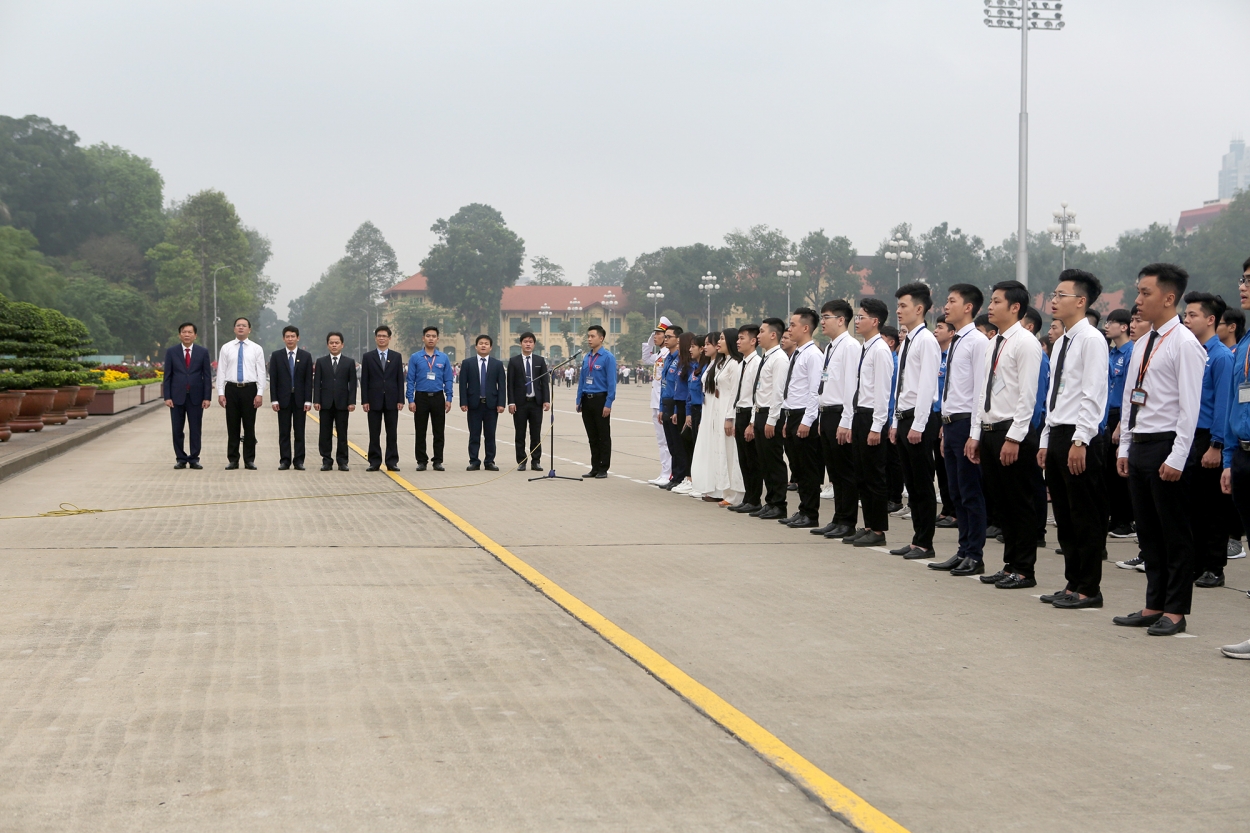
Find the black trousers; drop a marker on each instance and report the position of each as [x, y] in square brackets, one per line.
[598, 430]
[690, 435]
[1080, 503]
[840, 464]
[1012, 487]
[241, 414]
[378, 417]
[967, 489]
[772, 461]
[1208, 508]
[482, 420]
[191, 415]
[333, 420]
[431, 407]
[1119, 504]
[1241, 485]
[291, 420]
[805, 462]
[1163, 533]
[939, 467]
[870, 471]
[748, 460]
[893, 468]
[680, 467]
[529, 415]
[917, 460]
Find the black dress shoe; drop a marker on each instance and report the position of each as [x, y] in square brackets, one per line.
[327, 467]
[1166, 627]
[968, 567]
[181, 464]
[344, 468]
[770, 513]
[1074, 602]
[996, 577]
[603, 475]
[792, 487]
[492, 467]
[374, 468]
[535, 467]
[520, 467]
[1000, 539]
[439, 467]
[840, 531]
[791, 519]
[392, 468]
[250, 466]
[903, 550]
[827, 528]
[803, 522]
[472, 468]
[1015, 581]
[231, 466]
[993, 531]
[949, 564]
[869, 539]
[757, 511]
[1209, 579]
[194, 465]
[918, 553]
[946, 522]
[591, 473]
[854, 535]
[283, 466]
[421, 466]
[893, 507]
[1137, 620]
[1050, 598]
[298, 466]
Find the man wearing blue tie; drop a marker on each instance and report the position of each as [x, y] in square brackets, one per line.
[528, 397]
[290, 390]
[482, 397]
[596, 391]
[187, 389]
[241, 376]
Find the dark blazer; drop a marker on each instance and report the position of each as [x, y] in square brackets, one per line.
[516, 380]
[382, 387]
[280, 383]
[331, 391]
[181, 384]
[472, 389]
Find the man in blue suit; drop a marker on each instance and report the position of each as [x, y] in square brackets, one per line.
[482, 397]
[188, 392]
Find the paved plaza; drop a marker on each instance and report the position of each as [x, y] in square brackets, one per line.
[348, 659]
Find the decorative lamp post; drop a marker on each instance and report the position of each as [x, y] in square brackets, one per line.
[545, 312]
[709, 285]
[1043, 15]
[898, 253]
[1063, 231]
[788, 272]
[655, 294]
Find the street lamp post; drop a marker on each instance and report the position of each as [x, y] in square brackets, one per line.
[1024, 15]
[709, 285]
[573, 307]
[788, 272]
[545, 312]
[215, 346]
[609, 303]
[899, 253]
[1064, 230]
[655, 294]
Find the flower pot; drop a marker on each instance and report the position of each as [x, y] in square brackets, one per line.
[34, 403]
[55, 415]
[10, 404]
[78, 410]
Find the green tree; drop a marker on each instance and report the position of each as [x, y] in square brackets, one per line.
[120, 319]
[949, 256]
[25, 275]
[887, 275]
[45, 179]
[753, 283]
[116, 259]
[476, 256]
[679, 270]
[410, 318]
[332, 304]
[1214, 253]
[126, 195]
[826, 265]
[547, 273]
[608, 272]
[372, 261]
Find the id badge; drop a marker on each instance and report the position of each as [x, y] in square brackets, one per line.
[1137, 397]
[590, 380]
[1243, 393]
[999, 384]
[824, 377]
[430, 376]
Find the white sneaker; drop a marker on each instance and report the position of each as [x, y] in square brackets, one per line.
[683, 488]
[906, 516]
[899, 511]
[1235, 549]
[1241, 651]
[659, 481]
[692, 493]
[827, 492]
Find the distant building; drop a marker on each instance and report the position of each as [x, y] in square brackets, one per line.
[1235, 170]
[1195, 218]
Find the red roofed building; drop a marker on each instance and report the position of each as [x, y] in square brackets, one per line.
[1193, 219]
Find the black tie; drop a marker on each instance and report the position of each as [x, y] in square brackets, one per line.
[741, 379]
[482, 380]
[785, 392]
[1063, 354]
[859, 375]
[950, 363]
[1150, 343]
[989, 382]
[825, 370]
[756, 387]
[902, 367]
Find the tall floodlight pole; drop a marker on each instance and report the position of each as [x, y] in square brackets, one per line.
[655, 294]
[709, 285]
[788, 272]
[898, 253]
[1063, 231]
[215, 346]
[1023, 15]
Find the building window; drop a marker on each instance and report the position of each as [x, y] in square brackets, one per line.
[514, 325]
[557, 352]
[692, 325]
[451, 354]
[514, 350]
[614, 325]
[575, 324]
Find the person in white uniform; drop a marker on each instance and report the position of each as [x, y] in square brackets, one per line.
[653, 353]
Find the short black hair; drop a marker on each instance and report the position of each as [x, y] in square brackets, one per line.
[1119, 316]
[776, 325]
[486, 336]
[190, 324]
[918, 292]
[1095, 314]
[289, 328]
[1245, 265]
[382, 328]
[941, 319]
[753, 330]
[1085, 283]
[675, 330]
[809, 315]
[838, 306]
[332, 335]
[875, 308]
[1035, 318]
[241, 318]
[529, 335]
[1014, 293]
[889, 332]
[983, 321]
[595, 327]
[970, 295]
[427, 329]
[1237, 318]
[1211, 304]
[1168, 276]
[1132, 312]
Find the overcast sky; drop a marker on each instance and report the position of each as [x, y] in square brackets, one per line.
[606, 129]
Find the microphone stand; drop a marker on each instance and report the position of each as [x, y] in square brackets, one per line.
[551, 475]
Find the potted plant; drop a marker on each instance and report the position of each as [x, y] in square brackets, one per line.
[10, 405]
[33, 406]
[86, 393]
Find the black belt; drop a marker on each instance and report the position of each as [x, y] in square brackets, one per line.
[997, 426]
[1163, 436]
[482, 399]
[431, 393]
[910, 413]
[1244, 445]
[824, 408]
[748, 409]
[947, 420]
[242, 384]
[597, 393]
[864, 411]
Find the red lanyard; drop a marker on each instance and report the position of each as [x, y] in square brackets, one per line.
[429, 360]
[1145, 364]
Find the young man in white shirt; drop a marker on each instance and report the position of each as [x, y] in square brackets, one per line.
[763, 432]
[241, 377]
[999, 440]
[915, 428]
[801, 405]
[1072, 450]
[838, 377]
[1162, 397]
[748, 460]
[866, 421]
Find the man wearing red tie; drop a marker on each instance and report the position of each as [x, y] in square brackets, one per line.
[187, 389]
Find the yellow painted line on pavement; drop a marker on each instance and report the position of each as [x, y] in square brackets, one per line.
[834, 795]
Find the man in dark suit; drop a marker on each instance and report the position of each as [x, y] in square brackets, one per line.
[187, 389]
[290, 388]
[528, 396]
[334, 397]
[382, 395]
[482, 397]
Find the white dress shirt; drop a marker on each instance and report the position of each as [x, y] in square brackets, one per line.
[918, 381]
[875, 375]
[254, 369]
[746, 381]
[1014, 378]
[804, 373]
[1081, 398]
[840, 362]
[772, 377]
[1173, 385]
[965, 358]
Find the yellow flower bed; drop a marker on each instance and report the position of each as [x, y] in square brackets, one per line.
[114, 376]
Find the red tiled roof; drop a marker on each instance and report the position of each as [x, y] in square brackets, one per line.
[531, 298]
[1195, 217]
[416, 283]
